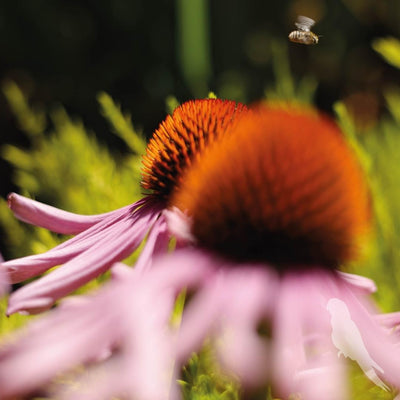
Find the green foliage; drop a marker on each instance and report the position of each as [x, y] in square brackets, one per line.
[31, 120]
[202, 381]
[363, 389]
[10, 324]
[285, 86]
[171, 102]
[121, 124]
[389, 49]
[194, 44]
[377, 150]
[67, 167]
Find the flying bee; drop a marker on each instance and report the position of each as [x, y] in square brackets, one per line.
[303, 34]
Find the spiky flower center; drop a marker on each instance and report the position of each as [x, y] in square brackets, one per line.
[281, 187]
[181, 138]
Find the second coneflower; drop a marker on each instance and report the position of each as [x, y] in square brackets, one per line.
[283, 188]
[104, 239]
[277, 206]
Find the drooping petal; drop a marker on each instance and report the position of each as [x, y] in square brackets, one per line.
[382, 346]
[157, 242]
[24, 268]
[4, 281]
[357, 281]
[21, 269]
[179, 225]
[142, 368]
[390, 320]
[247, 306]
[65, 338]
[304, 359]
[149, 346]
[122, 328]
[147, 367]
[56, 220]
[200, 320]
[347, 338]
[120, 240]
[4, 284]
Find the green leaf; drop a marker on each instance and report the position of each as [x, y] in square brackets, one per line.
[389, 49]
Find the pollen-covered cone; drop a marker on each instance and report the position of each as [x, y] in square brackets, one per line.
[282, 187]
[182, 137]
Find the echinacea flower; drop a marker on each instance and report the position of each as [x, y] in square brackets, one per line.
[104, 239]
[272, 209]
[277, 206]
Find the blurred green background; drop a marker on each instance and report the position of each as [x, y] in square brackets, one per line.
[140, 52]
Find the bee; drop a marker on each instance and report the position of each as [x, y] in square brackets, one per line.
[303, 34]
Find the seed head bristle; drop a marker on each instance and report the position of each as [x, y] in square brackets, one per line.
[181, 138]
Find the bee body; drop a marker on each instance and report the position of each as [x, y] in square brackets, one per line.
[303, 34]
[303, 37]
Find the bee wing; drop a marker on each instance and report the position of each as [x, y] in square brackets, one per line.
[304, 23]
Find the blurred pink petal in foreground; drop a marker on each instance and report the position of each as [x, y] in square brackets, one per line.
[122, 333]
[100, 241]
[266, 329]
[297, 355]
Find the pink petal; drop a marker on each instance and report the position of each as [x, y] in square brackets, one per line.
[21, 269]
[246, 306]
[156, 243]
[24, 268]
[212, 310]
[305, 360]
[121, 272]
[130, 314]
[143, 367]
[149, 346]
[390, 320]
[120, 240]
[146, 370]
[182, 269]
[63, 339]
[54, 219]
[324, 381]
[359, 282]
[179, 225]
[382, 347]
[200, 320]
[4, 281]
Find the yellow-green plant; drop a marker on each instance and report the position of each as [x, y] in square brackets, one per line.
[389, 49]
[67, 167]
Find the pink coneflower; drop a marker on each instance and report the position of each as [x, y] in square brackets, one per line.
[277, 206]
[272, 210]
[104, 239]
